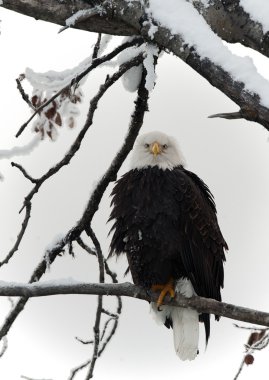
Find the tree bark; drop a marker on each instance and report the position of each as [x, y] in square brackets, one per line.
[202, 305]
[226, 18]
[58, 11]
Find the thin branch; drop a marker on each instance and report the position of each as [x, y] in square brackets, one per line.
[4, 346]
[249, 328]
[84, 246]
[84, 341]
[95, 63]
[24, 225]
[109, 337]
[113, 315]
[201, 304]
[96, 328]
[105, 327]
[25, 96]
[79, 16]
[78, 368]
[31, 378]
[228, 116]
[24, 172]
[97, 46]
[240, 369]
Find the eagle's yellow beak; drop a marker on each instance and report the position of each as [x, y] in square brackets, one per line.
[155, 149]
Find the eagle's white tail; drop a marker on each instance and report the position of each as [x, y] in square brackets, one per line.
[185, 323]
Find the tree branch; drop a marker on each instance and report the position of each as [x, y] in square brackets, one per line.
[130, 19]
[232, 23]
[202, 305]
[58, 12]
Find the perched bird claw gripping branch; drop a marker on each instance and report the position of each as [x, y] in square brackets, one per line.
[165, 221]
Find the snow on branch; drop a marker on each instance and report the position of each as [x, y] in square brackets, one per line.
[258, 11]
[82, 15]
[179, 17]
[201, 49]
[202, 305]
[169, 24]
[238, 21]
[51, 81]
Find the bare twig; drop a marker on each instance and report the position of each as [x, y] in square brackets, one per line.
[84, 246]
[74, 371]
[84, 341]
[24, 225]
[24, 172]
[82, 15]
[23, 93]
[112, 332]
[96, 328]
[97, 46]
[249, 328]
[240, 369]
[31, 378]
[113, 315]
[229, 115]
[97, 62]
[4, 346]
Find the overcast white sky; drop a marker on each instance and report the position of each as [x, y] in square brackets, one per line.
[231, 156]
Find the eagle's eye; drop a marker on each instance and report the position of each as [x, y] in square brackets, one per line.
[165, 146]
[146, 145]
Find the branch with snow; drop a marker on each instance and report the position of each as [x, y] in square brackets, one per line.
[169, 24]
[82, 15]
[204, 51]
[242, 21]
[46, 84]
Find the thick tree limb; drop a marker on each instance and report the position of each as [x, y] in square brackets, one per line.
[202, 305]
[58, 12]
[130, 18]
[249, 103]
[226, 18]
[230, 22]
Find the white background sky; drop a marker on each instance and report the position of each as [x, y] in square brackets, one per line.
[231, 156]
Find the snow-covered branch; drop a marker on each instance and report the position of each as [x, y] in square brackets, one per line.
[238, 21]
[202, 305]
[169, 25]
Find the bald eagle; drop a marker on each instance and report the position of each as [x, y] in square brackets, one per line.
[165, 221]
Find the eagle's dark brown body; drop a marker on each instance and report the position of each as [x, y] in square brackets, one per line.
[165, 221]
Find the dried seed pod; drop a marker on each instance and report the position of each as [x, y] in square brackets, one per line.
[249, 359]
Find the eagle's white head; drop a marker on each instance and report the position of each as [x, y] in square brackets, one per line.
[156, 149]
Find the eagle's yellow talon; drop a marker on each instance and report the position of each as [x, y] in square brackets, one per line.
[167, 288]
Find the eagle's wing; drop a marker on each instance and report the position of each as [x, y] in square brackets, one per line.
[201, 242]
